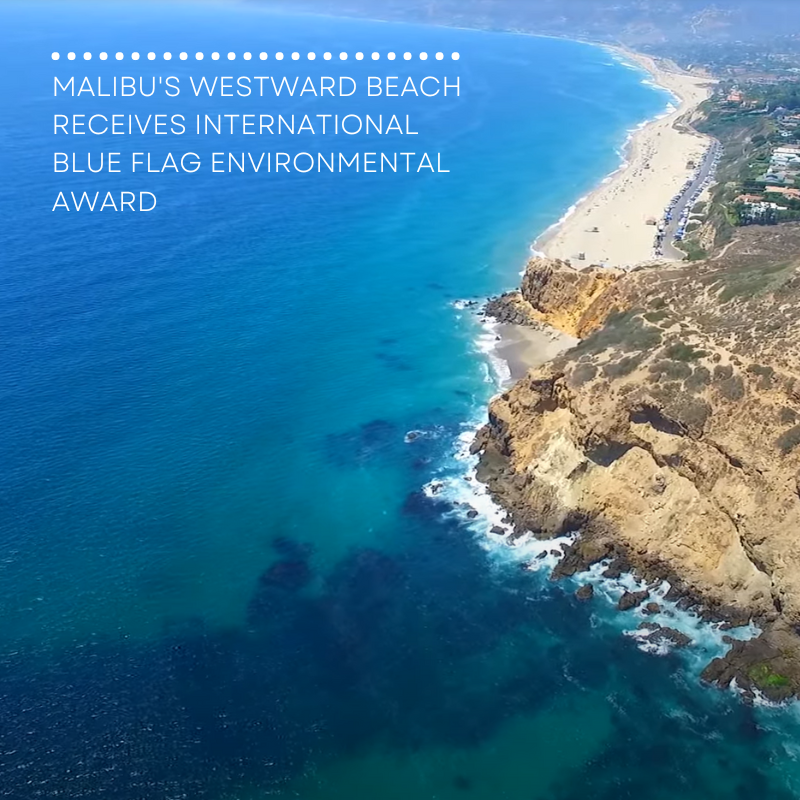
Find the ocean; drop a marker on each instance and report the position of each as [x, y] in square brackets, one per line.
[234, 555]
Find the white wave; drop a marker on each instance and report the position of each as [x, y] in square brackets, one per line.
[470, 502]
[569, 212]
[429, 433]
[564, 217]
[655, 648]
[707, 638]
[498, 372]
[621, 152]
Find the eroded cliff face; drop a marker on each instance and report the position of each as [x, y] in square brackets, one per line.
[670, 434]
[574, 301]
[678, 481]
[552, 292]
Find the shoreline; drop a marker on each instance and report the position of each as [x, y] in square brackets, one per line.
[556, 559]
[644, 600]
[521, 347]
[668, 613]
[623, 240]
[609, 224]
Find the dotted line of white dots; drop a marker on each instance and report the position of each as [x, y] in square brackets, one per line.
[262, 56]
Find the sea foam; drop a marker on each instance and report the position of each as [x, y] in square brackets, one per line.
[470, 502]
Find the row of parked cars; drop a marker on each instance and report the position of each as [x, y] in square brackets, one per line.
[711, 160]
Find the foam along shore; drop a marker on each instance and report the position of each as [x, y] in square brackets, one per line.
[610, 226]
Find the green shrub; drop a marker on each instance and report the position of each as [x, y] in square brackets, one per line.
[722, 373]
[761, 371]
[667, 391]
[763, 676]
[694, 252]
[583, 373]
[621, 368]
[691, 412]
[765, 375]
[699, 379]
[732, 389]
[694, 414]
[788, 440]
[626, 331]
[680, 351]
[753, 281]
[673, 370]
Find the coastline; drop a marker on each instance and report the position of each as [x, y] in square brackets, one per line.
[652, 171]
[609, 225]
[618, 207]
[659, 611]
[661, 477]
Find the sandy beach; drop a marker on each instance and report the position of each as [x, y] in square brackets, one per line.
[524, 348]
[657, 158]
[610, 225]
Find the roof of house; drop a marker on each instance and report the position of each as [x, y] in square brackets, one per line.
[786, 190]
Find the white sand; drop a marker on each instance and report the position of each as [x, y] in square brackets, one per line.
[657, 159]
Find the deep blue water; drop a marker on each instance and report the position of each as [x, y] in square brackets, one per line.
[219, 577]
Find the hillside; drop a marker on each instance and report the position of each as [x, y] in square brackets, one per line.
[671, 433]
[635, 22]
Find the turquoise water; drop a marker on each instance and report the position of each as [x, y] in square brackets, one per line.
[219, 574]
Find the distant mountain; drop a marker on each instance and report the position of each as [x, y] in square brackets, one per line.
[635, 22]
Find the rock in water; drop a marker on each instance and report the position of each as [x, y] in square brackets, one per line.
[630, 600]
[671, 636]
[768, 664]
[662, 635]
[580, 556]
[511, 309]
[586, 592]
[616, 568]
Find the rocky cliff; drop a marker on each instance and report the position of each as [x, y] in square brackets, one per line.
[670, 437]
[573, 301]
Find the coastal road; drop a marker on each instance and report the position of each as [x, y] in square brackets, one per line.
[670, 251]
